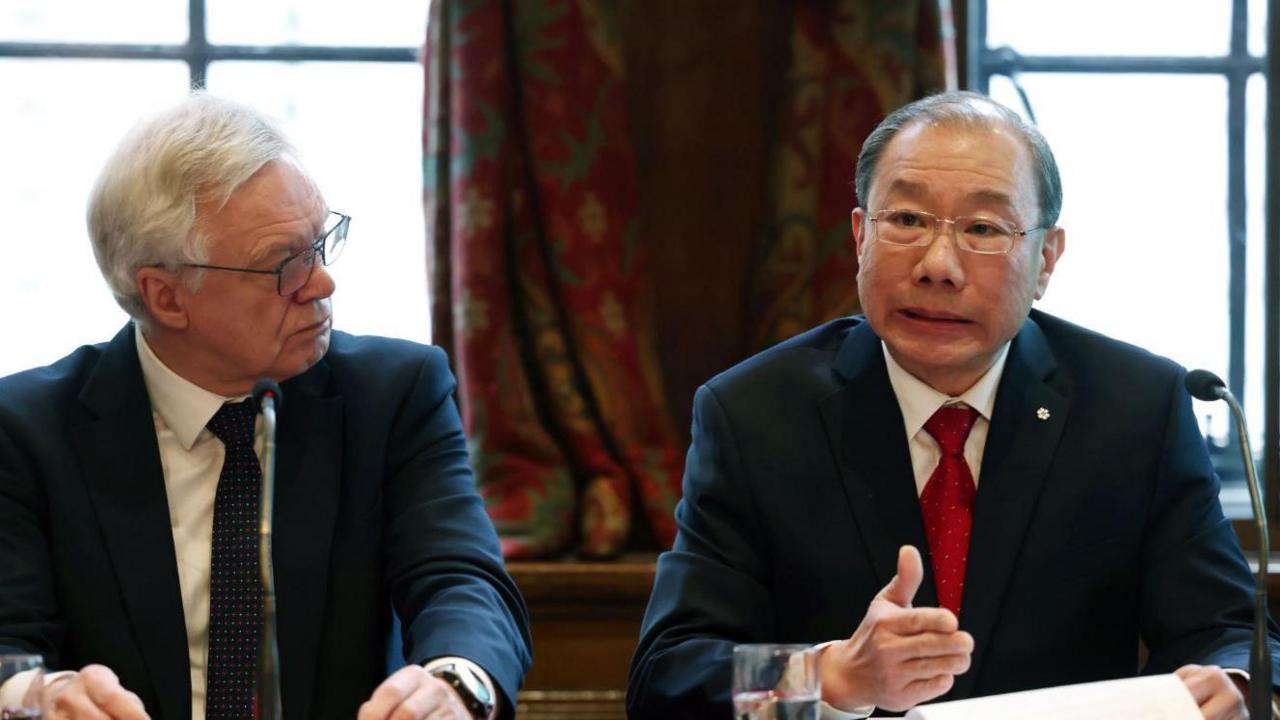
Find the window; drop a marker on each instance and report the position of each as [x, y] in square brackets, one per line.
[1160, 138]
[343, 81]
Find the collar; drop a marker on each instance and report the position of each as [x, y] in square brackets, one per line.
[184, 406]
[919, 401]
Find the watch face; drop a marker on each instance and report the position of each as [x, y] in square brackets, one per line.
[475, 695]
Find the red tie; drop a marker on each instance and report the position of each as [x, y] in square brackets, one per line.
[947, 503]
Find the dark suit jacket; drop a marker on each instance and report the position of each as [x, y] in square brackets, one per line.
[1093, 527]
[375, 508]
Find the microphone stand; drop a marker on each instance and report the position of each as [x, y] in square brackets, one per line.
[1260, 654]
[268, 699]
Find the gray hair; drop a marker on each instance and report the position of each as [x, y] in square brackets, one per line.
[974, 110]
[142, 211]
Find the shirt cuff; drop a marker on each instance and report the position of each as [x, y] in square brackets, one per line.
[830, 712]
[479, 671]
[15, 688]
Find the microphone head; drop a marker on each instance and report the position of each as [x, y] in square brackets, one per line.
[1204, 385]
[265, 387]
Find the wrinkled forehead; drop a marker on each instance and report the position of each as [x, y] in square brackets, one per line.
[986, 150]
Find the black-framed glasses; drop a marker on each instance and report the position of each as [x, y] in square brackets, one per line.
[972, 233]
[295, 271]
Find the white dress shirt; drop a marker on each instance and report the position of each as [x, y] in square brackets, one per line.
[918, 402]
[191, 457]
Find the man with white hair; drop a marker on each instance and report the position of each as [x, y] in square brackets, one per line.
[129, 475]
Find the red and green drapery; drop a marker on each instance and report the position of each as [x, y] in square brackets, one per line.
[540, 286]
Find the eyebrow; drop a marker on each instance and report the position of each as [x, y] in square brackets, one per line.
[281, 250]
[916, 191]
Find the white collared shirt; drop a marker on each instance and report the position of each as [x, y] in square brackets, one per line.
[918, 402]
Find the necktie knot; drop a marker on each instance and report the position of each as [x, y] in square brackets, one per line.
[950, 427]
[233, 423]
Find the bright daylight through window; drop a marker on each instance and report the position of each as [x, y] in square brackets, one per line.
[356, 119]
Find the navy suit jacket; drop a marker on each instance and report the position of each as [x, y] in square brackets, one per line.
[375, 507]
[1093, 527]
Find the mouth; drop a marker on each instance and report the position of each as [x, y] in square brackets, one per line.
[934, 317]
[316, 327]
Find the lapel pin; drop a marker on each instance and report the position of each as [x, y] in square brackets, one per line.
[1043, 413]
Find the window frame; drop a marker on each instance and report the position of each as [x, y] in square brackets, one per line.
[199, 53]
[1236, 67]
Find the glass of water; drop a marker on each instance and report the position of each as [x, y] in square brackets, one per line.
[775, 682]
[33, 667]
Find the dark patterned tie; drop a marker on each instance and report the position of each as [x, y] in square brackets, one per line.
[947, 503]
[235, 602]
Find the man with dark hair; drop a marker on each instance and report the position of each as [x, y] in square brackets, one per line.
[1053, 480]
[129, 472]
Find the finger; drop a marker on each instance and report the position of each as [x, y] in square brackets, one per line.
[1199, 683]
[901, 590]
[928, 667]
[912, 621]
[124, 705]
[432, 699]
[926, 689]
[928, 645]
[75, 703]
[392, 692]
[1225, 705]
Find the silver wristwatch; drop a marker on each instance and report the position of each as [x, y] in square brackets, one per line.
[473, 691]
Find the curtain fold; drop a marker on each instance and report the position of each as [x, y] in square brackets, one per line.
[852, 62]
[540, 277]
[533, 217]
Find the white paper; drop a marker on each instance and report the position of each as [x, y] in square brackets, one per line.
[1157, 697]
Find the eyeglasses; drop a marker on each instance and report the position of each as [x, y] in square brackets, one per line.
[975, 234]
[295, 271]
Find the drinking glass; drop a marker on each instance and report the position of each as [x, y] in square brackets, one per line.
[11, 665]
[775, 682]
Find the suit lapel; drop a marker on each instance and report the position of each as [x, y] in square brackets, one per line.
[1031, 409]
[308, 487]
[120, 458]
[864, 426]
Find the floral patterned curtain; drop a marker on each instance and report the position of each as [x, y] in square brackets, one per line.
[852, 62]
[540, 286]
[531, 202]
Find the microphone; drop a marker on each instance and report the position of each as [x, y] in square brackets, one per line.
[1204, 385]
[266, 395]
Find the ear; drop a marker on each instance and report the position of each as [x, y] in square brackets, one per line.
[858, 222]
[164, 295]
[1055, 242]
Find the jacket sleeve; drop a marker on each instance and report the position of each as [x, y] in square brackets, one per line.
[444, 567]
[712, 589]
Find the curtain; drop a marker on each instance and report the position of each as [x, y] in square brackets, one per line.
[540, 283]
[542, 254]
[852, 62]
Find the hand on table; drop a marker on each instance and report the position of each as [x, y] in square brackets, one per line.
[899, 656]
[412, 693]
[1214, 691]
[94, 693]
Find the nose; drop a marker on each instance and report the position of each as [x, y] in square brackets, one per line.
[319, 286]
[940, 264]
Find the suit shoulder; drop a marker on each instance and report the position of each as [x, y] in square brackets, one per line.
[54, 384]
[385, 360]
[1091, 352]
[800, 362]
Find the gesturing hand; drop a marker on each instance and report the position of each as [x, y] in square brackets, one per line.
[899, 656]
